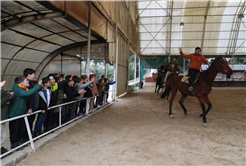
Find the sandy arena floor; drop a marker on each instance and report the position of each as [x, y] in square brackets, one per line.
[137, 130]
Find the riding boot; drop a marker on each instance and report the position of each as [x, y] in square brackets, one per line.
[190, 88]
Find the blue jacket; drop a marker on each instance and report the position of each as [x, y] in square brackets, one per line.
[110, 83]
[43, 102]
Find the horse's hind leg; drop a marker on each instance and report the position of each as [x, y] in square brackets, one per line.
[174, 92]
[206, 99]
[181, 101]
[167, 97]
[200, 98]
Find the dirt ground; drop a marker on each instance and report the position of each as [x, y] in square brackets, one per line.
[137, 130]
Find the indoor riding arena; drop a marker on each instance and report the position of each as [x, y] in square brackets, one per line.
[104, 82]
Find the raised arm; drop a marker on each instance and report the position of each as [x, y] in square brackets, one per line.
[4, 97]
[83, 86]
[205, 60]
[23, 93]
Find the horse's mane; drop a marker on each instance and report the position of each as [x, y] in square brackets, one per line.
[217, 58]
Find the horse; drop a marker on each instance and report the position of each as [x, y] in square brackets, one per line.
[202, 87]
[159, 82]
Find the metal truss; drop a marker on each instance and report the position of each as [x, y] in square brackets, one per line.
[235, 30]
[169, 21]
[204, 24]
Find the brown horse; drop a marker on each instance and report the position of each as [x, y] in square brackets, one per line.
[159, 83]
[202, 87]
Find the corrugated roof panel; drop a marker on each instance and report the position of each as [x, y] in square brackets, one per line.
[32, 30]
[8, 51]
[67, 23]
[34, 5]
[17, 67]
[58, 39]
[30, 55]
[15, 38]
[43, 46]
[4, 63]
[13, 7]
[74, 36]
[51, 25]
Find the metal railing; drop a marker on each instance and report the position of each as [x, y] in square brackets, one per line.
[31, 139]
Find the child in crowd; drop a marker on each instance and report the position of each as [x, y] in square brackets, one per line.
[54, 97]
[18, 107]
[101, 90]
[61, 97]
[81, 86]
[5, 96]
[107, 86]
[94, 91]
[44, 102]
[30, 75]
[70, 92]
[88, 94]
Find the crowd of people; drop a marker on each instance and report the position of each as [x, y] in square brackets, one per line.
[28, 95]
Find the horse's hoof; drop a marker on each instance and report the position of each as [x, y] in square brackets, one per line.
[205, 124]
[200, 116]
[166, 101]
[170, 116]
[185, 115]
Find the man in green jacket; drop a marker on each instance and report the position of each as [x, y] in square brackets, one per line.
[5, 96]
[18, 107]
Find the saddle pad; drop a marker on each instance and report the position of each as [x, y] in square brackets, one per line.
[185, 79]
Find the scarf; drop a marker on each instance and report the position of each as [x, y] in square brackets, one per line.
[23, 87]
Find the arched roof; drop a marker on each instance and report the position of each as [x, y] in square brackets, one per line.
[32, 33]
[217, 26]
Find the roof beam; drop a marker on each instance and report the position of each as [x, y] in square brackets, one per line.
[15, 21]
[70, 29]
[53, 32]
[188, 8]
[24, 34]
[52, 55]
[204, 24]
[28, 7]
[170, 32]
[22, 47]
[190, 15]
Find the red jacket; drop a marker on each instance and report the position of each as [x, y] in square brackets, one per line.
[195, 61]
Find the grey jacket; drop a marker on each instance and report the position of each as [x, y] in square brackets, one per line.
[80, 87]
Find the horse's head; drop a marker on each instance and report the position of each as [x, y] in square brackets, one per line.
[222, 66]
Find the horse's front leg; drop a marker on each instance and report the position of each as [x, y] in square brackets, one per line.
[200, 98]
[174, 92]
[181, 102]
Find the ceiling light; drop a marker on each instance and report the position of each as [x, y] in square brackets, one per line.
[240, 16]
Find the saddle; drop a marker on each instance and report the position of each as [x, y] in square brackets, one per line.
[185, 79]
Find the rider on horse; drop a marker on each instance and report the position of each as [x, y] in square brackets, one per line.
[195, 64]
[171, 67]
[163, 67]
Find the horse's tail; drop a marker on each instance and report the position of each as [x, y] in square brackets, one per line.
[166, 92]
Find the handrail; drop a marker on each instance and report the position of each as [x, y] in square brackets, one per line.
[38, 111]
[31, 139]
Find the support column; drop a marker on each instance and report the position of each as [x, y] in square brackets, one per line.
[135, 69]
[116, 49]
[89, 39]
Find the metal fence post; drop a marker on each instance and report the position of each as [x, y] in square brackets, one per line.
[87, 105]
[60, 116]
[29, 133]
[104, 98]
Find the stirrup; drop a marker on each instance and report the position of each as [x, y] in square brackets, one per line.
[190, 88]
